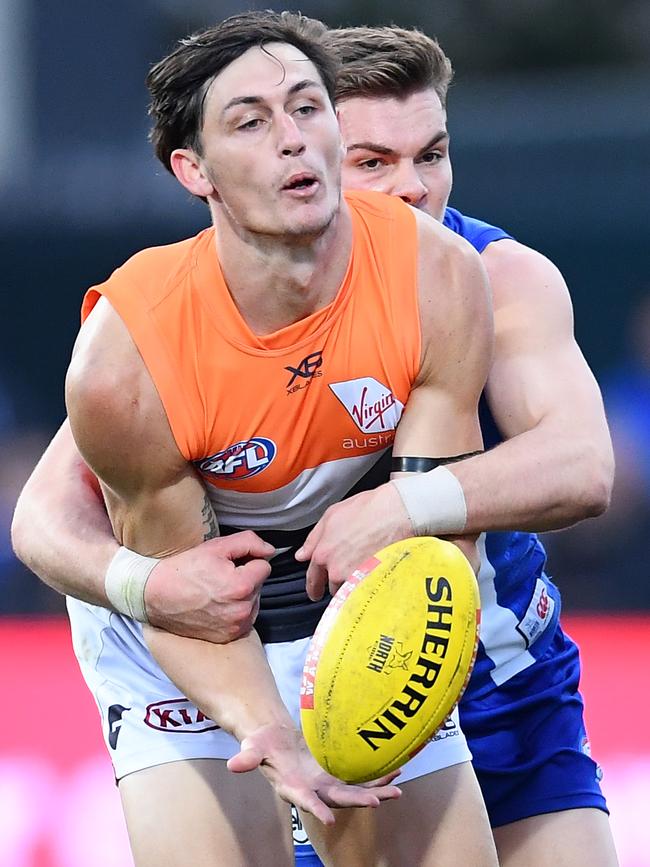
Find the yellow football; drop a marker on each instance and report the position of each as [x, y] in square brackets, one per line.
[390, 658]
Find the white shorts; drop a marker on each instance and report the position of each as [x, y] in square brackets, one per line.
[146, 721]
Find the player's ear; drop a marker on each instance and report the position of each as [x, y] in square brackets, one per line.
[189, 171]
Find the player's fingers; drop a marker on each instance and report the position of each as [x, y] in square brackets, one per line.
[334, 581]
[340, 795]
[244, 544]
[316, 581]
[246, 760]
[383, 781]
[310, 802]
[306, 550]
[386, 793]
[256, 572]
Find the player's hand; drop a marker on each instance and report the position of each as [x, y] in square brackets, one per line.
[281, 754]
[211, 591]
[348, 533]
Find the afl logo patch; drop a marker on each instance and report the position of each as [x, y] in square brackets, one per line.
[239, 461]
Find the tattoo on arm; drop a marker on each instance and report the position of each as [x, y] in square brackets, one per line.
[209, 520]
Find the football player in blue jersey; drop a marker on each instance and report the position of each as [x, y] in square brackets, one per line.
[542, 412]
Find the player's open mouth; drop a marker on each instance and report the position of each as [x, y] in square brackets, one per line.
[301, 184]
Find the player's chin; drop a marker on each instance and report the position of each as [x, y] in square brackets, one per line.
[310, 217]
[309, 225]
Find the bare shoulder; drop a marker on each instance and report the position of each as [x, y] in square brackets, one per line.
[116, 415]
[522, 277]
[451, 272]
[455, 298]
[439, 245]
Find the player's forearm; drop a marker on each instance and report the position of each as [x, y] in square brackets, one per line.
[544, 479]
[60, 528]
[231, 683]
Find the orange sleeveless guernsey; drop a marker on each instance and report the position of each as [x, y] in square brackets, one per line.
[280, 426]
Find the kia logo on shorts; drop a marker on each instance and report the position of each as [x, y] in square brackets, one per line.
[239, 461]
[177, 715]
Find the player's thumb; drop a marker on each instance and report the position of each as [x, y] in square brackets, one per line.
[245, 760]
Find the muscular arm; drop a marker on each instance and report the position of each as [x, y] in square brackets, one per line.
[62, 532]
[557, 465]
[60, 528]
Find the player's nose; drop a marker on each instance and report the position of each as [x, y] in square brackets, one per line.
[289, 137]
[408, 185]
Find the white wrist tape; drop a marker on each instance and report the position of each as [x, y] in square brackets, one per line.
[435, 502]
[126, 578]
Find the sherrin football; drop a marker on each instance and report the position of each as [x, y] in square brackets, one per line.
[390, 658]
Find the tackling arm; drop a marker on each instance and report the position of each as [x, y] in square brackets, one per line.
[61, 531]
[60, 528]
[557, 465]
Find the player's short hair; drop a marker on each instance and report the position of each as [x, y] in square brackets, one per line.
[387, 61]
[179, 82]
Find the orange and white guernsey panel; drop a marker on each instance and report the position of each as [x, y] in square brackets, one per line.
[280, 426]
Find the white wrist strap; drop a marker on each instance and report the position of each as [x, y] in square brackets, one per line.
[435, 502]
[126, 578]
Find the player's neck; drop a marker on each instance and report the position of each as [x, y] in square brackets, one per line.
[276, 281]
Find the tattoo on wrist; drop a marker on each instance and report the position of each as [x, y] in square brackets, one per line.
[209, 520]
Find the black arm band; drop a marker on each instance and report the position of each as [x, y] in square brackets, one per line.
[423, 465]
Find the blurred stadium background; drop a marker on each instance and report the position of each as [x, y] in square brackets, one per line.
[550, 125]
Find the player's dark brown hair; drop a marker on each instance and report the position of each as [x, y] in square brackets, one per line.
[387, 61]
[179, 82]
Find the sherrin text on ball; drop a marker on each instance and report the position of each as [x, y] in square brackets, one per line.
[390, 658]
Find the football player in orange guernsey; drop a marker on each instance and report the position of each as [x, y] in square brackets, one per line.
[183, 382]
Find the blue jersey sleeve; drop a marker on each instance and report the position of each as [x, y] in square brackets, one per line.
[478, 233]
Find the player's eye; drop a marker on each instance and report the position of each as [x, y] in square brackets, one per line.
[253, 123]
[305, 110]
[430, 157]
[372, 163]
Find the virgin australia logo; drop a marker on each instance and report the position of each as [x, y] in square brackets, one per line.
[372, 406]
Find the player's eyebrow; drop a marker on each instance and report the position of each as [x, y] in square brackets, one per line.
[255, 100]
[370, 146]
[386, 151]
[441, 136]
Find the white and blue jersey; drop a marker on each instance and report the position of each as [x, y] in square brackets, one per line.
[520, 604]
[522, 712]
